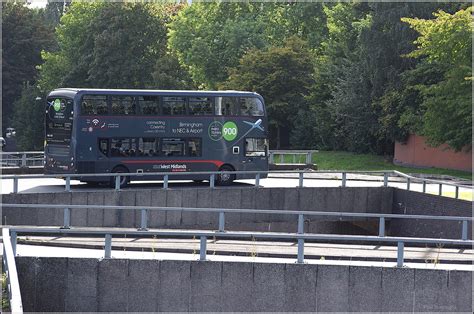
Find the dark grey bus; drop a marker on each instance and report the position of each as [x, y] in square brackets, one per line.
[135, 131]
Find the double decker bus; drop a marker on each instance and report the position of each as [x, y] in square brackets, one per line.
[140, 131]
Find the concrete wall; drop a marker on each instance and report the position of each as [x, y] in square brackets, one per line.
[349, 199]
[415, 152]
[67, 284]
[416, 203]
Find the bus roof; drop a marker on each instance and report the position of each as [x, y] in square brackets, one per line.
[150, 92]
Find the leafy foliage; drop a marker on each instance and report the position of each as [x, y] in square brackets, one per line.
[282, 75]
[111, 45]
[29, 119]
[24, 35]
[445, 43]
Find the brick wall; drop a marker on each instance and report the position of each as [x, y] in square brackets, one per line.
[415, 152]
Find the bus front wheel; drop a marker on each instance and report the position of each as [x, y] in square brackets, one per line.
[225, 178]
[123, 179]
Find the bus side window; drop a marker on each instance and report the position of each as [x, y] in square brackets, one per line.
[149, 105]
[123, 105]
[104, 146]
[172, 147]
[94, 105]
[194, 147]
[227, 106]
[251, 106]
[174, 106]
[148, 147]
[200, 106]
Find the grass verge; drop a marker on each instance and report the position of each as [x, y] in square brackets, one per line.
[336, 160]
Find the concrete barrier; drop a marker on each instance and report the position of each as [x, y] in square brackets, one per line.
[355, 199]
[416, 203]
[68, 284]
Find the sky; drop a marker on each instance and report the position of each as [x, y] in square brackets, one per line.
[37, 3]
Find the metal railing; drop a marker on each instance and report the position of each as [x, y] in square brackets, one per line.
[300, 235]
[383, 175]
[295, 156]
[9, 267]
[35, 158]
[21, 159]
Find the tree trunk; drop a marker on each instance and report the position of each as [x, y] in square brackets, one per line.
[278, 137]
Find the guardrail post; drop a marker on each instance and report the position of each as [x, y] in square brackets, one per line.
[424, 186]
[400, 248]
[343, 179]
[464, 230]
[300, 251]
[382, 227]
[14, 239]
[23, 161]
[202, 248]
[301, 179]
[294, 158]
[15, 185]
[221, 221]
[165, 182]
[456, 193]
[143, 220]
[117, 183]
[309, 158]
[300, 224]
[385, 179]
[271, 158]
[257, 180]
[440, 189]
[212, 181]
[68, 184]
[408, 184]
[281, 158]
[67, 218]
[108, 246]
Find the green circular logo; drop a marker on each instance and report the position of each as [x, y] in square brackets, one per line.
[57, 105]
[229, 131]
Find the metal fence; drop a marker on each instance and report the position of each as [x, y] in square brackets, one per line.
[21, 159]
[299, 235]
[9, 267]
[382, 176]
[294, 156]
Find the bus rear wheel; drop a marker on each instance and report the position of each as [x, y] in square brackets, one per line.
[225, 178]
[123, 179]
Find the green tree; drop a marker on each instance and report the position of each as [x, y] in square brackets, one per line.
[29, 119]
[24, 36]
[283, 76]
[209, 38]
[111, 45]
[445, 43]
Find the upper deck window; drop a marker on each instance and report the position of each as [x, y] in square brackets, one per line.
[251, 106]
[227, 106]
[200, 106]
[149, 105]
[94, 105]
[174, 106]
[123, 105]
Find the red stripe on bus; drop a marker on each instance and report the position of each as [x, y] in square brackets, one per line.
[218, 163]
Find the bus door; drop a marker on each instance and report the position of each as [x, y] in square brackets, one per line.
[102, 154]
[255, 153]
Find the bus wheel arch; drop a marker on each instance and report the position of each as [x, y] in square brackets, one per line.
[124, 180]
[226, 178]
